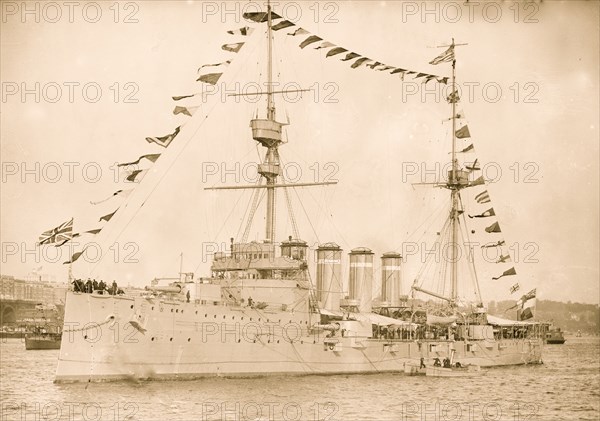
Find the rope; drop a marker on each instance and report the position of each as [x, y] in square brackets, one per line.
[254, 207]
[109, 319]
[290, 210]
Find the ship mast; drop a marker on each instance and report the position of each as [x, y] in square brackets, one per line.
[454, 193]
[457, 180]
[268, 132]
[272, 158]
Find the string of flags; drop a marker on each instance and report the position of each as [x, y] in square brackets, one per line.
[120, 192]
[483, 197]
[211, 73]
[207, 73]
[525, 304]
[359, 59]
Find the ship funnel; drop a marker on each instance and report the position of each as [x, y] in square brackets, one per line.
[391, 278]
[329, 275]
[361, 278]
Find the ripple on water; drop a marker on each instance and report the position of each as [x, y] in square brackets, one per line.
[564, 387]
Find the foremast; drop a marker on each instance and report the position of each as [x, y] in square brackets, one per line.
[270, 169]
[268, 132]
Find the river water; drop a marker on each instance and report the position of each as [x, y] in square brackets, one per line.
[565, 387]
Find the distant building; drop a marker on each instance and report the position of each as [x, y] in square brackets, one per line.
[32, 290]
[26, 303]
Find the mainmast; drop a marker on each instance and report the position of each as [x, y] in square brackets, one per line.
[454, 192]
[457, 180]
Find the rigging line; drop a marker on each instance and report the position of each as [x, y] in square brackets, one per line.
[256, 201]
[476, 279]
[306, 214]
[428, 221]
[438, 240]
[441, 268]
[291, 213]
[248, 207]
[328, 216]
[162, 177]
[227, 219]
[289, 203]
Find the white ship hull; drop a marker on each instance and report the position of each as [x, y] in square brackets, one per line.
[118, 337]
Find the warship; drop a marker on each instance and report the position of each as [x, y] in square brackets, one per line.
[260, 312]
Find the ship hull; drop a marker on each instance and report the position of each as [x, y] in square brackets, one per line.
[119, 337]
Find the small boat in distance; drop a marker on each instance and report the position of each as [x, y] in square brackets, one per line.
[42, 339]
[555, 336]
[46, 335]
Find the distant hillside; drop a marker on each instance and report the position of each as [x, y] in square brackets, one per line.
[568, 316]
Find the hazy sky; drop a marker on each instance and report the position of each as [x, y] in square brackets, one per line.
[105, 74]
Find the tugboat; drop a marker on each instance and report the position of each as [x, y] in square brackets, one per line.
[554, 336]
[48, 335]
[40, 338]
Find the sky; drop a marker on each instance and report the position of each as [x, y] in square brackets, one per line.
[83, 87]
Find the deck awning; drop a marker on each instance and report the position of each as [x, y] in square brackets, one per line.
[373, 318]
[379, 320]
[439, 320]
[497, 321]
[334, 313]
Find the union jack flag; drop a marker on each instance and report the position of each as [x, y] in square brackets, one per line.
[61, 233]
